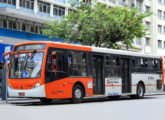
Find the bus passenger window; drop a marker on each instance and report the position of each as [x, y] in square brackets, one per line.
[150, 63]
[155, 64]
[77, 63]
[69, 59]
[107, 60]
[54, 62]
[84, 58]
[133, 62]
[145, 63]
[49, 65]
[141, 62]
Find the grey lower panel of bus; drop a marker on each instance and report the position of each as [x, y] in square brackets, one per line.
[113, 85]
[34, 92]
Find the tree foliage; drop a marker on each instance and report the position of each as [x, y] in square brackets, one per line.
[99, 25]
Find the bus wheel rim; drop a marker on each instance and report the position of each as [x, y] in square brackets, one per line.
[78, 93]
[140, 91]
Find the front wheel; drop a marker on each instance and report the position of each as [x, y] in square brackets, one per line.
[77, 94]
[140, 91]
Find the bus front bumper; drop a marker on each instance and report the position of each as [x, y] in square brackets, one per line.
[35, 92]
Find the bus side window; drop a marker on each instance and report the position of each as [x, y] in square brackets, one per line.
[49, 63]
[155, 63]
[54, 61]
[133, 62]
[69, 59]
[141, 62]
[84, 58]
[145, 63]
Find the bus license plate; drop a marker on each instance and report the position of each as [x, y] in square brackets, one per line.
[21, 94]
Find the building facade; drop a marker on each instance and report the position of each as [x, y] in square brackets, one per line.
[154, 41]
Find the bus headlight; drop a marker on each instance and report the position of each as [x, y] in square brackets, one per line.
[37, 84]
[9, 86]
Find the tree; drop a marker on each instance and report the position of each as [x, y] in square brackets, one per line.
[99, 25]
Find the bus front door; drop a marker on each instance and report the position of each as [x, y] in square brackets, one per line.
[125, 74]
[98, 81]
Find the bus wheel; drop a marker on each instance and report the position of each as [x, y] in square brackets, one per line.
[140, 91]
[77, 94]
[45, 100]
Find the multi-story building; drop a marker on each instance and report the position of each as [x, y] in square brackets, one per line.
[154, 42]
[22, 20]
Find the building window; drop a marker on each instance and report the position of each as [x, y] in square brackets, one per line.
[44, 7]
[147, 25]
[29, 4]
[138, 41]
[163, 15]
[160, 1]
[11, 24]
[21, 25]
[59, 11]
[1, 22]
[4, 23]
[147, 41]
[87, 1]
[131, 3]
[159, 29]
[147, 9]
[159, 44]
[159, 14]
[112, 1]
[164, 29]
[139, 5]
[11, 2]
[121, 2]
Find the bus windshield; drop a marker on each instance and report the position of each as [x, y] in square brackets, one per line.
[26, 65]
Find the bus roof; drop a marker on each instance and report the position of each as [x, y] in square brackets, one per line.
[123, 52]
[59, 45]
[89, 48]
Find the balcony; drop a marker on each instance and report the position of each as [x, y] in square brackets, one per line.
[40, 18]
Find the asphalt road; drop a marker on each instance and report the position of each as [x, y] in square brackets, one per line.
[149, 108]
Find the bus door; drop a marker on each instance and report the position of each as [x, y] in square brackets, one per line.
[98, 80]
[125, 74]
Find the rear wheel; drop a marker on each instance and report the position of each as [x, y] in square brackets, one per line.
[77, 94]
[45, 100]
[140, 91]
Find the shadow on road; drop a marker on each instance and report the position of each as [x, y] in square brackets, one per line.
[35, 102]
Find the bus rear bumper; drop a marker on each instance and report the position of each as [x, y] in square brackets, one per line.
[35, 92]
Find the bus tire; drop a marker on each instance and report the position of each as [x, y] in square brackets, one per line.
[45, 101]
[77, 94]
[140, 91]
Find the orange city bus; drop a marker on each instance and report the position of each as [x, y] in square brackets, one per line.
[52, 70]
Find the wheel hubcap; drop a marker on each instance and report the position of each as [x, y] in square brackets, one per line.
[140, 91]
[78, 93]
